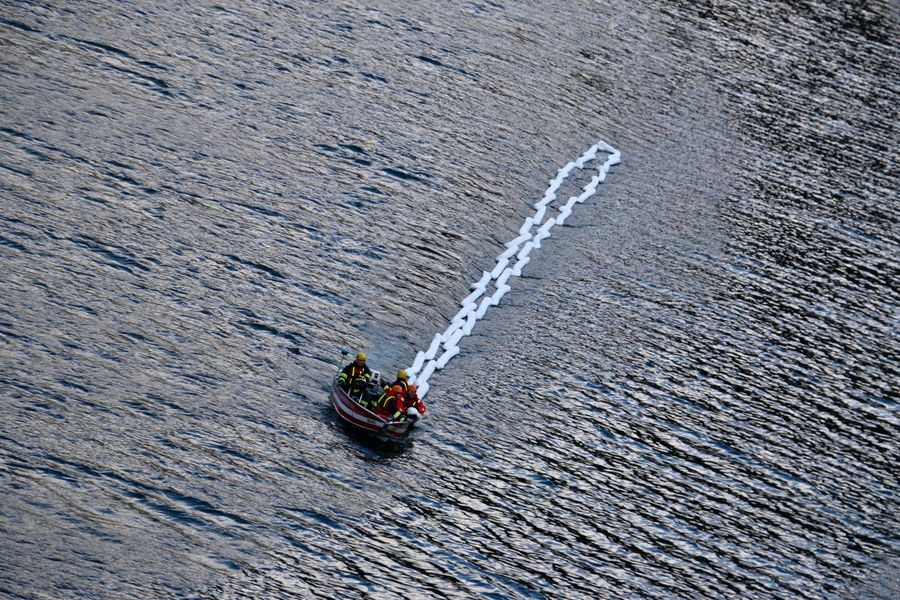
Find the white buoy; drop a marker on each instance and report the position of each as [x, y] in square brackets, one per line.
[501, 291]
[506, 254]
[517, 271]
[453, 328]
[417, 364]
[426, 372]
[482, 308]
[525, 251]
[517, 241]
[470, 323]
[501, 264]
[504, 277]
[539, 215]
[526, 227]
[482, 283]
[471, 298]
[547, 199]
[445, 357]
[422, 389]
[588, 156]
[545, 228]
[465, 310]
[554, 185]
[454, 339]
[432, 349]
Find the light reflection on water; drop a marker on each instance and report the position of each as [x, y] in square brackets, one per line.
[688, 393]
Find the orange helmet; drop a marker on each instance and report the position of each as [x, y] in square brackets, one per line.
[396, 390]
[411, 390]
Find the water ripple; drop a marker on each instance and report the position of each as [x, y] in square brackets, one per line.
[691, 394]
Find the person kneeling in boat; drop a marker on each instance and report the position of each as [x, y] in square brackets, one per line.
[390, 405]
[401, 381]
[412, 404]
[354, 377]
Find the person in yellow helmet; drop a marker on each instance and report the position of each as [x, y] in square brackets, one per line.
[356, 375]
[401, 381]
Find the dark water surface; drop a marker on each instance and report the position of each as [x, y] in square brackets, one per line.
[691, 392]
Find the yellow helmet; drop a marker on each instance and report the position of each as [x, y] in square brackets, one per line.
[361, 356]
[401, 374]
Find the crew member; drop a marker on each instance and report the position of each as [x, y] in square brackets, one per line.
[390, 404]
[355, 375]
[412, 400]
[401, 380]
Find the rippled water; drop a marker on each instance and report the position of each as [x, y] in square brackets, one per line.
[691, 392]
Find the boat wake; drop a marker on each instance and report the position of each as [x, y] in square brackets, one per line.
[509, 264]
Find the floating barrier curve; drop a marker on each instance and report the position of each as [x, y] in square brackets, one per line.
[444, 346]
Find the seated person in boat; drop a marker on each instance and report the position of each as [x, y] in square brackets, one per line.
[412, 400]
[401, 380]
[355, 376]
[390, 403]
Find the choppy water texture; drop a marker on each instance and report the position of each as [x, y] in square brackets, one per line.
[690, 392]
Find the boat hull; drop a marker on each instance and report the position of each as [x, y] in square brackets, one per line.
[363, 418]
